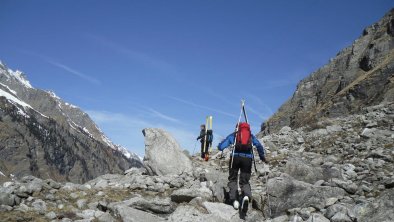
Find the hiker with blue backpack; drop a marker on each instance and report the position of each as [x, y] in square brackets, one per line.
[242, 141]
[206, 137]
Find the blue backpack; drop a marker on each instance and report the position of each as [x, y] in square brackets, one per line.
[209, 136]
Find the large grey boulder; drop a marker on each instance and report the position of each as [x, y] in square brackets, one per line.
[163, 155]
[348, 185]
[128, 214]
[382, 209]
[156, 205]
[300, 170]
[317, 218]
[187, 194]
[287, 193]
[303, 172]
[7, 199]
[221, 210]
[39, 206]
[187, 213]
[219, 182]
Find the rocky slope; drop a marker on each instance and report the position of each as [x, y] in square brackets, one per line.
[339, 170]
[42, 135]
[360, 75]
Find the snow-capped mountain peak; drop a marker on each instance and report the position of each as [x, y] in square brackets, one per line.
[21, 77]
[16, 88]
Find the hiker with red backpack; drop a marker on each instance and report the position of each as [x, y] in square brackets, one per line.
[242, 141]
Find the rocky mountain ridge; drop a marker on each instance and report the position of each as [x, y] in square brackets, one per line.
[360, 75]
[44, 136]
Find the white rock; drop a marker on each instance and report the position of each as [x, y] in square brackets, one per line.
[51, 215]
[333, 128]
[163, 155]
[7, 184]
[331, 201]
[87, 214]
[317, 218]
[39, 206]
[81, 203]
[221, 210]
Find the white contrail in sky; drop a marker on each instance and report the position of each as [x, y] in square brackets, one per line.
[202, 107]
[75, 72]
[63, 66]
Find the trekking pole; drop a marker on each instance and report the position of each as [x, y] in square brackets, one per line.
[254, 160]
[266, 191]
[246, 119]
[266, 185]
[195, 144]
[236, 132]
[220, 161]
[205, 136]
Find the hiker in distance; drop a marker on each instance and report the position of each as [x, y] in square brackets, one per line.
[205, 141]
[241, 159]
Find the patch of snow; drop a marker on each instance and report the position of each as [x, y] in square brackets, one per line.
[41, 114]
[73, 124]
[20, 77]
[51, 93]
[107, 141]
[87, 131]
[71, 106]
[9, 89]
[14, 99]
[22, 113]
[2, 174]
[127, 153]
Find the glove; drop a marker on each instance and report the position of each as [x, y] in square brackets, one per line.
[262, 158]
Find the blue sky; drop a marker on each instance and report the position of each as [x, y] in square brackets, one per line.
[169, 64]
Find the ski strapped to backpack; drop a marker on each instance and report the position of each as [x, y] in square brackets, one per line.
[243, 136]
[208, 138]
[236, 131]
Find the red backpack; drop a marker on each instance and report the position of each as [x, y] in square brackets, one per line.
[243, 140]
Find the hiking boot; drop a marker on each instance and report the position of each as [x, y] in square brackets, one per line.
[236, 204]
[245, 204]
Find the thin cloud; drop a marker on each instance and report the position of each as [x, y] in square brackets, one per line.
[63, 66]
[75, 72]
[105, 117]
[129, 128]
[133, 54]
[217, 95]
[257, 113]
[163, 116]
[202, 107]
[260, 102]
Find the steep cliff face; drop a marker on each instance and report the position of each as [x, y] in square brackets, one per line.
[44, 136]
[360, 75]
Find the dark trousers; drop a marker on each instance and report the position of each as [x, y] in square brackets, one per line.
[203, 152]
[243, 164]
